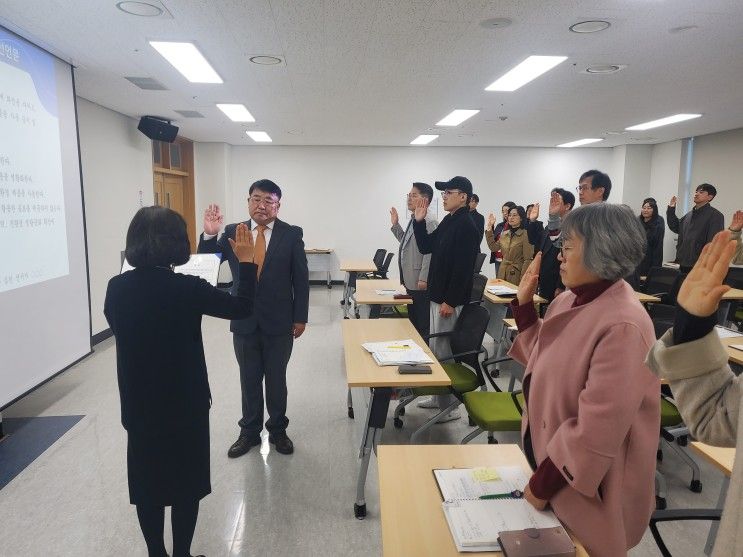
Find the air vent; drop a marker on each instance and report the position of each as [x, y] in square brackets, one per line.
[604, 69]
[147, 83]
[189, 113]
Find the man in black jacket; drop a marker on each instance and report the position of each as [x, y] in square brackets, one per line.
[697, 227]
[477, 218]
[263, 342]
[545, 240]
[453, 247]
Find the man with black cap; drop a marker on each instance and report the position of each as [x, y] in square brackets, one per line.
[453, 247]
[412, 263]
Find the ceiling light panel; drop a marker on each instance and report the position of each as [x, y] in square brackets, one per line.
[664, 121]
[187, 59]
[236, 112]
[526, 71]
[423, 139]
[580, 142]
[456, 117]
[259, 137]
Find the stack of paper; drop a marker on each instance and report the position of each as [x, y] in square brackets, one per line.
[397, 352]
[724, 332]
[501, 290]
[388, 292]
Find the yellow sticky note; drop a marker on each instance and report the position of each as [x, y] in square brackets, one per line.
[485, 474]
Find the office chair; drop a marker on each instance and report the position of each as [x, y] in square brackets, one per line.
[479, 283]
[382, 268]
[660, 282]
[462, 367]
[479, 262]
[493, 411]
[663, 314]
[673, 515]
[734, 314]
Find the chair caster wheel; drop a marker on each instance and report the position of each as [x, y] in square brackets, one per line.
[357, 315]
[343, 302]
[359, 511]
[330, 287]
[401, 412]
[696, 486]
[346, 317]
[659, 456]
[683, 441]
[660, 503]
[350, 413]
[471, 423]
[492, 441]
[398, 423]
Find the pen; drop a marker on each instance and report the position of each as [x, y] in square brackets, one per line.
[515, 494]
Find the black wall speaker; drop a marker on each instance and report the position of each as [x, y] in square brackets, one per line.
[157, 129]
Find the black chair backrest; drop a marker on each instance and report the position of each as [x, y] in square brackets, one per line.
[675, 287]
[660, 280]
[479, 282]
[379, 258]
[734, 277]
[479, 262]
[468, 334]
[386, 265]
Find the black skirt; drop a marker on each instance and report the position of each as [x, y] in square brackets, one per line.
[164, 470]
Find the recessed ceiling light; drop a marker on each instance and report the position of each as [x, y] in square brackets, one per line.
[423, 139]
[580, 142]
[495, 23]
[236, 112]
[592, 26]
[456, 117]
[259, 137]
[266, 60]
[187, 59]
[142, 9]
[663, 121]
[529, 69]
[615, 133]
[604, 69]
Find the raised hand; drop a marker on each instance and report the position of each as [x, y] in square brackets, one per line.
[529, 280]
[702, 289]
[213, 220]
[737, 223]
[533, 212]
[491, 222]
[242, 245]
[394, 217]
[672, 203]
[421, 209]
[555, 203]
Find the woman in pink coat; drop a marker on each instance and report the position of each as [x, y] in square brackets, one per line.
[592, 417]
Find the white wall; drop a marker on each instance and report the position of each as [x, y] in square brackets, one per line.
[718, 160]
[341, 196]
[665, 182]
[117, 173]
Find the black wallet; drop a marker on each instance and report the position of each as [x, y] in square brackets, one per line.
[414, 368]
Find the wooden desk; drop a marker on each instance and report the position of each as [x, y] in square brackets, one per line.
[366, 293]
[506, 300]
[362, 371]
[413, 522]
[352, 267]
[320, 260]
[722, 458]
[734, 355]
[733, 294]
[647, 298]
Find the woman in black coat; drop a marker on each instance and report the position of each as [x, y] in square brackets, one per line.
[655, 230]
[155, 315]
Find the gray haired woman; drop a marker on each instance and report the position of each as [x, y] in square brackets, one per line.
[590, 428]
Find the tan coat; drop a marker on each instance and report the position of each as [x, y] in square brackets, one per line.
[594, 409]
[517, 253]
[708, 396]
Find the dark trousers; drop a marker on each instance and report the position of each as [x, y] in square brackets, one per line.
[419, 311]
[263, 356]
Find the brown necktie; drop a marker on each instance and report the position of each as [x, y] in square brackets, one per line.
[259, 254]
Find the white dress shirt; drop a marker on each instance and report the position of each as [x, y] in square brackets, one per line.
[254, 230]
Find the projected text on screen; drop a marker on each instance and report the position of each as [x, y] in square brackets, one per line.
[33, 232]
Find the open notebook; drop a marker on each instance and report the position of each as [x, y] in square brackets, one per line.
[479, 503]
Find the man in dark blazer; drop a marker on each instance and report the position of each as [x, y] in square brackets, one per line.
[477, 218]
[263, 342]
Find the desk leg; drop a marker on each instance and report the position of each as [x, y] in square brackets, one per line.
[329, 285]
[346, 293]
[716, 524]
[350, 404]
[376, 418]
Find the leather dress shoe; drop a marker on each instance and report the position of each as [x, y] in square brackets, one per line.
[243, 445]
[282, 442]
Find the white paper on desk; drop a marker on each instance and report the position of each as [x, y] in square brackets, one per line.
[477, 523]
[459, 484]
[501, 290]
[387, 292]
[671, 265]
[723, 332]
[399, 357]
[389, 345]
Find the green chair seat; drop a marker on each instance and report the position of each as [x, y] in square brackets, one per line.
[401, 310]
[493, 411]
[669, 414]
[463, 380]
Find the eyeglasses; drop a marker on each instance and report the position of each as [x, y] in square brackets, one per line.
[559, 244]
[447, 193]
[583, 188]
[262, 201]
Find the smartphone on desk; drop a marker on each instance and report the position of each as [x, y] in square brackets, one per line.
[414, 368]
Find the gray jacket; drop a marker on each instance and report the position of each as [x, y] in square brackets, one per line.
[708, 396]
[738, 257]
[413, 265]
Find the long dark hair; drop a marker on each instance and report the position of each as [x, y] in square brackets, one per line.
[654, 204]
[157, 237]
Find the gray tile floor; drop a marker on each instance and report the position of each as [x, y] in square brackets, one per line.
[73, 499]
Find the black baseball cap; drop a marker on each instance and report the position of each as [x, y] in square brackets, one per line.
[457, 183]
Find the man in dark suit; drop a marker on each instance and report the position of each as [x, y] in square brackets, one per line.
[263, 342]
[477, 218]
